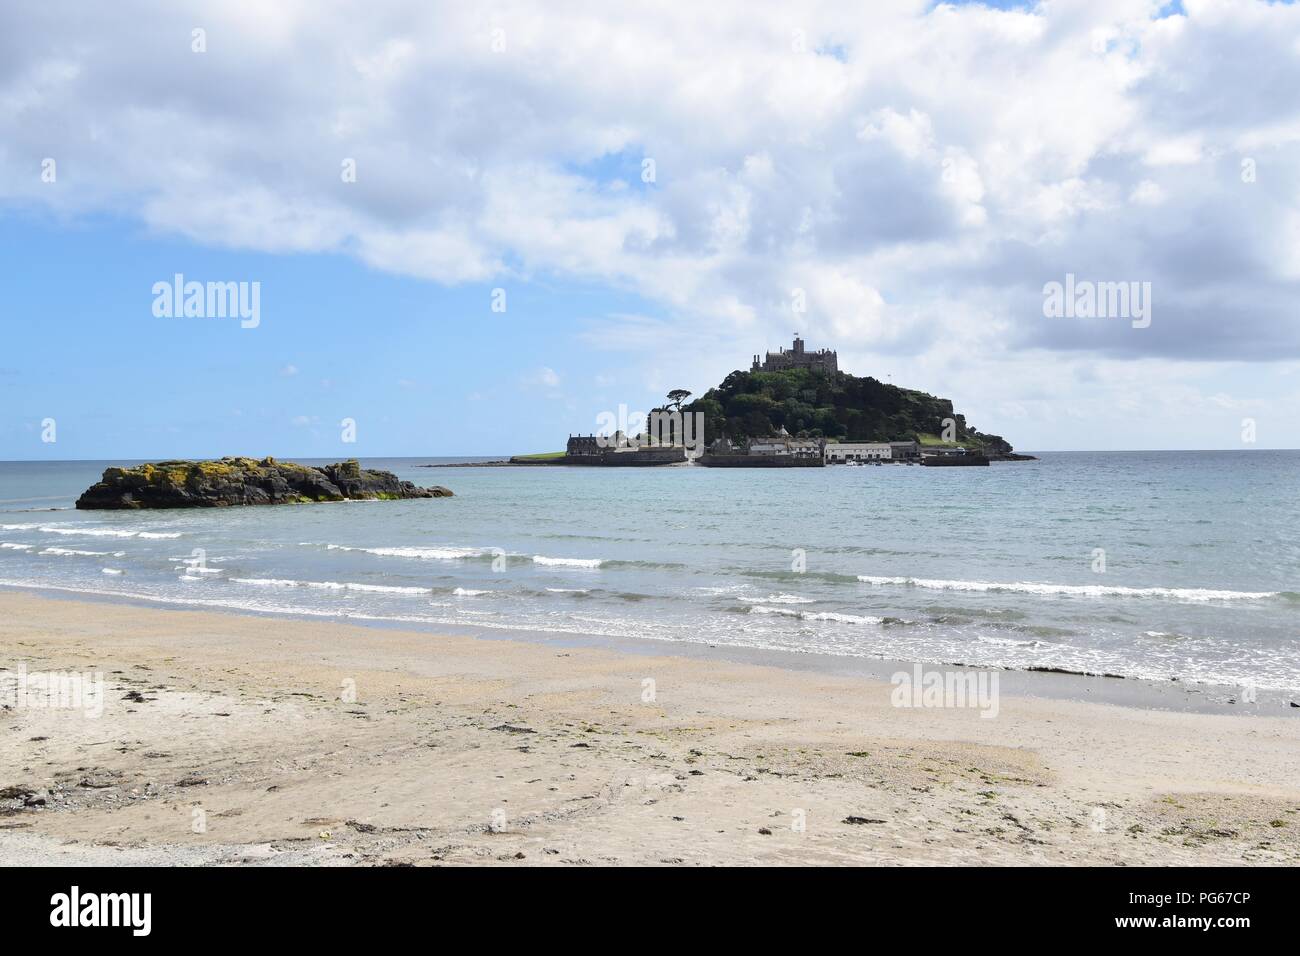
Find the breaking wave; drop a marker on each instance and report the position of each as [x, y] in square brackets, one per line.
[567, 562]
[331, 585]
[1082, 590]
[832, 616]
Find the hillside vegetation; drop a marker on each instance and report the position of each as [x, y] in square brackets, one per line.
[837, 406]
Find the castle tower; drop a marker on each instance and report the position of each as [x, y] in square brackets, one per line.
[798, 357]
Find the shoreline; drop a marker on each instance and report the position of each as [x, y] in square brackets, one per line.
[458, 750]
[1049, 683]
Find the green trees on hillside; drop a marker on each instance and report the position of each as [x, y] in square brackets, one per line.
[838, 406]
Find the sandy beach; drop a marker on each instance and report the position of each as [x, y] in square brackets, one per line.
[225, 739]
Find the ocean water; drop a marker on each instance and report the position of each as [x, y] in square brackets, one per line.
[996, 566]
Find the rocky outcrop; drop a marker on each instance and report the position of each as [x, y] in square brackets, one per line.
[244, 481]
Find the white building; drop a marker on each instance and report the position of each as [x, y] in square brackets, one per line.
[840, 452]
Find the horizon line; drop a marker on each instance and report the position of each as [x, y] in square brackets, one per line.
[291, 457]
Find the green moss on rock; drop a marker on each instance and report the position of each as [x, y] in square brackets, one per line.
[244, 481]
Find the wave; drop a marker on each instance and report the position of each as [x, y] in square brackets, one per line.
[429, 554]
[331, 585]
[110, 571]
[832, 616]
[82, 531]
[387, 588]
[1007, 641]
[780, 599]
[73, 552]
[291, 611]
[424, 554]
[469, 592]
[1084, 590]
[1263, 672]
[567, 562]
[448, 553]
[569, 590]
[831, 577]
[9, 546]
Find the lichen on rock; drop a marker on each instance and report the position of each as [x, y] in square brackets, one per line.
[244, 481]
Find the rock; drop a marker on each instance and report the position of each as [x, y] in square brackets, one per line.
[860, 820]
[512, 729]
[244, 481]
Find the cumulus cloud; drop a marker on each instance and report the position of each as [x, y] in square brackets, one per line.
[919, 171]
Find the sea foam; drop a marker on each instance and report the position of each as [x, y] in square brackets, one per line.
[831, 616]
[424, 554]
[331, 585]
[566, 562]
[1082, 590]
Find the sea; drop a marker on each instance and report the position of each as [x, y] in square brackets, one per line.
[1151, 565]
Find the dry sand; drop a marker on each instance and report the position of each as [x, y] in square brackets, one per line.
[239, 749]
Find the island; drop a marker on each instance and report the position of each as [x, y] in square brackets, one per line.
[793, 408]
[231, 482]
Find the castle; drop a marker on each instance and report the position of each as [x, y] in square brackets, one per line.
[823, 359]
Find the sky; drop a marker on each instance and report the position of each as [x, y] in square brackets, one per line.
[474, 228]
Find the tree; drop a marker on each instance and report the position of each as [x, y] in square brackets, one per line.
[677, 396]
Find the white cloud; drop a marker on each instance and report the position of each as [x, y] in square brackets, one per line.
[921, 177]
[1147, 193]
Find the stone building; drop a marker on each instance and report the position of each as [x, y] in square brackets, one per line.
[781, 444]
[798, 357]
[584, 446]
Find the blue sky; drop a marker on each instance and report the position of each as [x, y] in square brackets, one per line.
[918, 194]
[422, 368]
